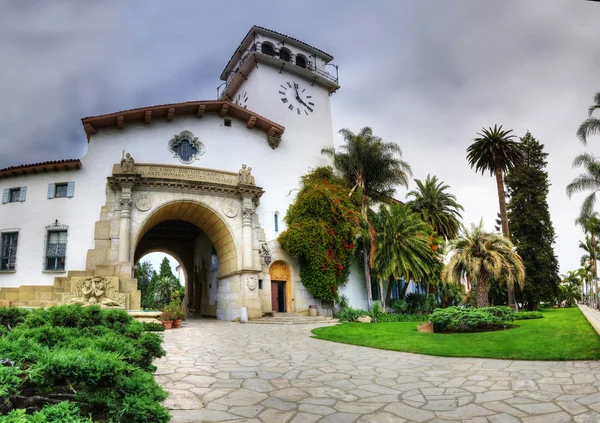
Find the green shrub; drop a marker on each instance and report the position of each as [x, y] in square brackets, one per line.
[153, 327]
[457, 319]
[420, 303]
[12, 316]
[11, 378]
[64, 412]
[350, 314]
[503, 312]
[528, 315]
[102, 355]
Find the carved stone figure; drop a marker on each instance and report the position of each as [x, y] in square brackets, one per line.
[245, 176]
[127, 163]
[95, 290]
[230, 208]
[143, 202]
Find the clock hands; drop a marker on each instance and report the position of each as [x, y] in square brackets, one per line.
[298, 95]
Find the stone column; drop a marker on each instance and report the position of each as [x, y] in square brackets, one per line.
[247, 242]
[125, 224]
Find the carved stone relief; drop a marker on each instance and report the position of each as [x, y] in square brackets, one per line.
[95, 290]
[143, 202]
[251, 282]
[230, 208]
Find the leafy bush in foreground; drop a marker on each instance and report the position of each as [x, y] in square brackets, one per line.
[528, 315]
[457, 319]
[96, 361]
[64, 412]
[350, 314]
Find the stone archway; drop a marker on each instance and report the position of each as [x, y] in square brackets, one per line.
[205, 219]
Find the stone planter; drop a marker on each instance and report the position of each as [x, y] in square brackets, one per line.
[167, 324]
[425, 327]
[177, 323]
[312, 310]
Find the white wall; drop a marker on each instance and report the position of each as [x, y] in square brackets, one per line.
[227, 148]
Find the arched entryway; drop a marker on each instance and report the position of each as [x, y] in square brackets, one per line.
[281, 287]
[201, 241]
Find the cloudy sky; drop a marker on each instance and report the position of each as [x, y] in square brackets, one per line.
[427, 74]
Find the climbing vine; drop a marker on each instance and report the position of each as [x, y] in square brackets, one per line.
[322, 228]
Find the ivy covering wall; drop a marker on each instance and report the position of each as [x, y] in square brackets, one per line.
[323, 223]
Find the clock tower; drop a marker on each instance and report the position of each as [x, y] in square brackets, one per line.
[287, 81]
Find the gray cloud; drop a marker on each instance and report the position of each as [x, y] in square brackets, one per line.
[426, 74]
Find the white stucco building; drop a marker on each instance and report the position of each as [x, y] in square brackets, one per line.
[208, 182]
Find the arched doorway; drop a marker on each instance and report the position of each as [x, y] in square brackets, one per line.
[201, 241]
[281, 287]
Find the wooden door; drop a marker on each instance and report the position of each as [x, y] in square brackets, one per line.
[274, 296]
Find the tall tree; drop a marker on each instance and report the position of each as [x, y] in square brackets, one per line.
[481, 256]
[404, 248]
[530, 223]
[591, 125]
[437, 207]
[495, 151]
[373, 169]
[165, 268]
[143, 274]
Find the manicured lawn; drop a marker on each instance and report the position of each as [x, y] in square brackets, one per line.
[563, 334]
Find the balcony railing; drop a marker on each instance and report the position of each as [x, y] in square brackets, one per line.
[257, 48]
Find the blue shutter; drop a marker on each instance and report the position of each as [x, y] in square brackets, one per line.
[51, 190]
[5, 196]
[23, 194]
[70, 189]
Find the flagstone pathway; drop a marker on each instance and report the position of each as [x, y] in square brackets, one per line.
[229, 372]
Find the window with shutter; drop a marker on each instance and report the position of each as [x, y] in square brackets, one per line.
[51, 189]
[23, 194]
[5, 196]
[70, 189]
[15, 195]
[8, 250]
[60, 190]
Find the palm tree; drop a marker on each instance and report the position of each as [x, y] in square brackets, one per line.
[404, 248]
[591, 125]
[438, 208]
[587, 181]
[496, 152]
[569, 289]
[591, 226]
[481, 256]
[166, 287]
[373, 169]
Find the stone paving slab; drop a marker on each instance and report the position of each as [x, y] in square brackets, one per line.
[228, 372]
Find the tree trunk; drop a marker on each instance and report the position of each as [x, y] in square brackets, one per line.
[483, 288]
[505, 231]
[367, 276]
[388, 294]
[597, 298]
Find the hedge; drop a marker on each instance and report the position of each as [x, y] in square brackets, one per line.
[78, 364]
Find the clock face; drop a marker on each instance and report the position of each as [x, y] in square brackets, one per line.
[241, 99]
[296, 98]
